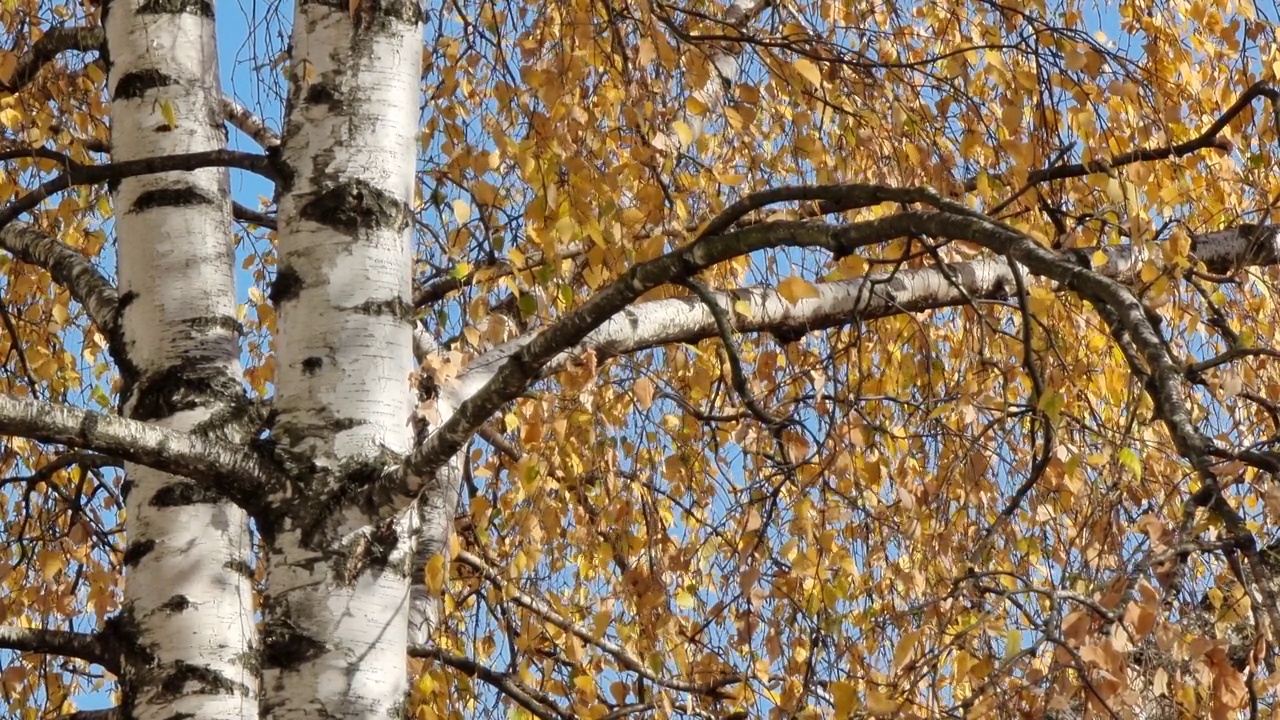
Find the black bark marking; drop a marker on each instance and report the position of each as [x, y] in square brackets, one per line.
[134, 85]
[312, 365]
[353, 205]
[395, 307]
[182, 494]
[176, 603]
[210, 681]
[202, 8]
[286, 286]
[170, 197]
[239, 567]
[136, 551]
[375, 14]
[284, 646]
[322, 93]
[184, 386]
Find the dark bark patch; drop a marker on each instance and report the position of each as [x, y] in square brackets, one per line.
[397, 308]
[239, 567]
[136, 84]
[186, 385]
[375, 14]
[202, 8]
[170, 197]
[353, 205]
[136, 551]
[286, 286]
[285, 647]
[210, 682]
[176, 604]
[182, 494]
[322, 93]
[312, 365]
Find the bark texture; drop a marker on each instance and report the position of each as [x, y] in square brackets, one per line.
[188, 601]
[338, 588]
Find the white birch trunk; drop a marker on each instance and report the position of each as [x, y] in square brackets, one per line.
[188, 597]
[337, 592]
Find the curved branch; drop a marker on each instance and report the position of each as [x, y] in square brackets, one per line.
[1208, 139]
[85, 646]
[709, 688]
[254, 217]
[502, 682]
[53, 43]
[78, 174]
[231, 470]
[68, 268]
[502, 374]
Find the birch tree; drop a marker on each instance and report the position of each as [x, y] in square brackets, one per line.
[597, 360]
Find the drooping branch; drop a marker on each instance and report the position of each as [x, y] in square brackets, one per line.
[543, 708]
[709, 688]
[79, 174]
[68, 268]
[498, 377]
[231, 470]
[1210, 138]
[84, 646]
[53, 43]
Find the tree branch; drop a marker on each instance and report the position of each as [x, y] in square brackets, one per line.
[79, 174]
[1205, 140]
[502, 682]
[244, 120]
[491, 386]
[230, 470]
[709, 688]
[53, 43]
[501, 375]
[85, 646]
[112, 713]
[254, 217]
[68, 268]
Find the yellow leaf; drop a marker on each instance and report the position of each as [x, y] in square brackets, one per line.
[566, 228]
[1012, 642]
[435, 574]
[585, 683]
[808, 70]
[168, 113]
[795, 289]
[686, 600]
[644, 393]
[844, 696]
[902, 653]
[10, 118]
[880, 703]
[461, 211]
[683, 132]
[1099, 258]
[1115, 192]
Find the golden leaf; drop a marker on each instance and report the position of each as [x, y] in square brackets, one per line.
[808, 70]
[794, 289]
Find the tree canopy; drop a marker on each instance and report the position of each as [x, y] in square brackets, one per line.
[840, 358]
